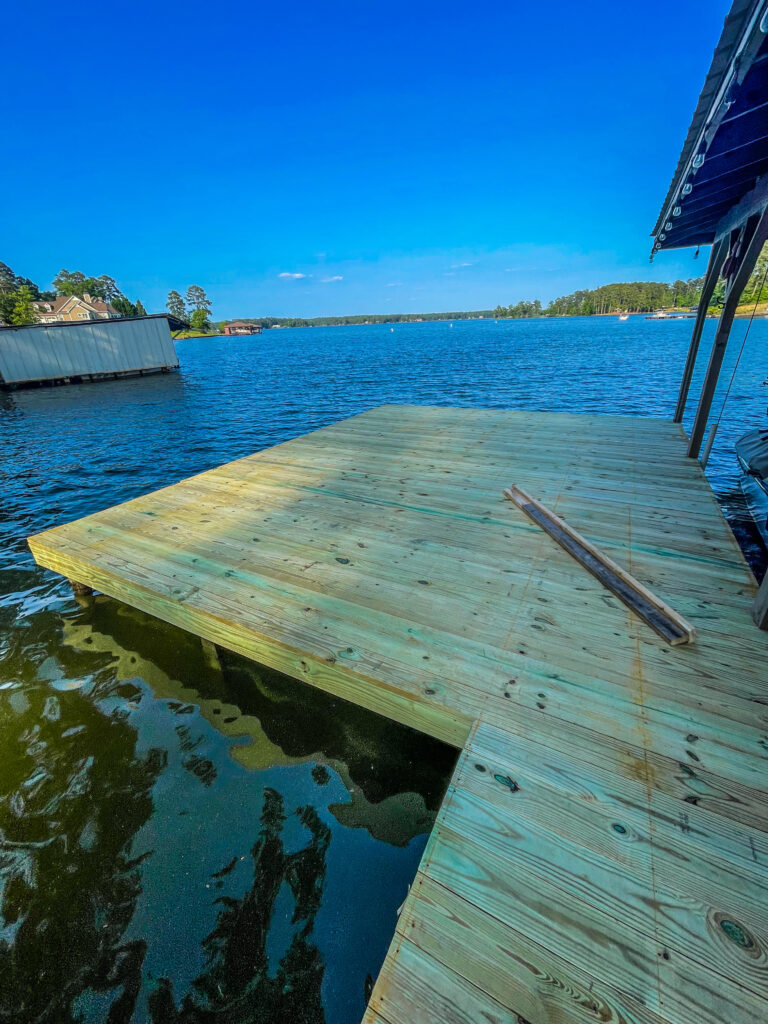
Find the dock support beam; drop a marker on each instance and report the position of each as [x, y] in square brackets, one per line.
[716, 259]
[740, 264]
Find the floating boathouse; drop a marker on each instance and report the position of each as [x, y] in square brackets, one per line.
[602, 850]
[72, 352]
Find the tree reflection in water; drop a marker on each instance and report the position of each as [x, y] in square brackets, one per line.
[190, 839]
[72, 797]
[236, 985]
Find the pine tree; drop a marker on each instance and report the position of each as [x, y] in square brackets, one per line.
[123, 306]
[7, 278]
[197, 299]
[175, 305]
[109, 289]
[139, 307]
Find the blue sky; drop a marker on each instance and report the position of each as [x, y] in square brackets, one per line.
[309, 159]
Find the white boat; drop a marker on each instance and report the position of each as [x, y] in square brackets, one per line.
[752, 453]
[662, 314]
[623, 316]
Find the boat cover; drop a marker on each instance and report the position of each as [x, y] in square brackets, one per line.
[752, 449]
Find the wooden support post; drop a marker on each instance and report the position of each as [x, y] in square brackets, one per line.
[715, 265]
[754, 235]
[760, 607]
[210, 654]
[80, 589]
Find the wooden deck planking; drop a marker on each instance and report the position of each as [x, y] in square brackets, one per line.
[601, 852]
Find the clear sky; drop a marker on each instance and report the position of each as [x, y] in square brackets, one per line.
[311, 158]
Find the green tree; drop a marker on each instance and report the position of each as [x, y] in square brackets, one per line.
[7, 278]
[76, 283]
[23, 311]
[109, 289]
[199, 320]
[25, 282]
[197, 299]
[757, 286]
[175, 305]
[123, 306]
[140, 311]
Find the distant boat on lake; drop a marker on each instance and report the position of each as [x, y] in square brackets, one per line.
[661, 314]
[623, 316]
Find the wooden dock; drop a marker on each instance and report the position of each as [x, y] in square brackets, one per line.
[601, 853]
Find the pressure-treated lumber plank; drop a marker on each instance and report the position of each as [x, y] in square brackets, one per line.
[508, 965]
[667, 623]
[417, 988]
[675, 987]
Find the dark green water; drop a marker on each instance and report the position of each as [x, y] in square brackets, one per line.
[183, 839]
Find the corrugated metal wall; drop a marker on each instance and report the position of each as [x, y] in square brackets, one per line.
[93, 347]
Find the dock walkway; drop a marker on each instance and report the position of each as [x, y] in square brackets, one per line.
[601, 853]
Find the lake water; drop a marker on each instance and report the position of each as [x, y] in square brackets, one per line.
[186, 839]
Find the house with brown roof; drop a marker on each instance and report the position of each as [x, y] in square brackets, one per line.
[72, 308]
[241, 327]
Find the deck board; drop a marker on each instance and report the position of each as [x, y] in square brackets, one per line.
[601, 853]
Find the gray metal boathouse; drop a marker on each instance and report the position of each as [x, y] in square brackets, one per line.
[64, 353]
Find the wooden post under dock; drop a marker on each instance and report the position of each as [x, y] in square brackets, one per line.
[80, 589]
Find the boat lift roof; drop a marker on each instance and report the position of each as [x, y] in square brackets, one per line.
[726, 150]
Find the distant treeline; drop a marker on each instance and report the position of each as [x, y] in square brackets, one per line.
[631, 297]
[373, 318]
[640, 297]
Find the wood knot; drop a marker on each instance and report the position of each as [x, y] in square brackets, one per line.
[736, 932]
[510, 783]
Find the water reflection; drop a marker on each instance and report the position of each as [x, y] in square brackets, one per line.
[272, 720]
[239, 983]
[185, 836]
[69, 874]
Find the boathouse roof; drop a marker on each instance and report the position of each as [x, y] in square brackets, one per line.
[726, 150]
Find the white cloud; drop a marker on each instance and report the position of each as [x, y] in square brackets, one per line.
[291, 277]
[458, 266]
[394, 284]
[336, 277]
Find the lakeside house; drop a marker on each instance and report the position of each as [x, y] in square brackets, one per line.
[73, 308]
[241, 327]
